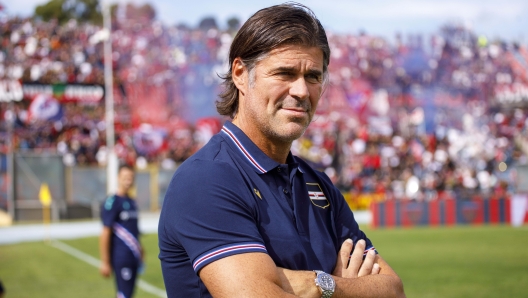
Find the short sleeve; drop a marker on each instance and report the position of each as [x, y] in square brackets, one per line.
[109, 211]
[209, 212]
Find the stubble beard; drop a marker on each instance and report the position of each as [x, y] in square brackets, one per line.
[282, 131]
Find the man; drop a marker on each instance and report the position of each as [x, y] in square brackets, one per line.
[119, 244]
[243, 217]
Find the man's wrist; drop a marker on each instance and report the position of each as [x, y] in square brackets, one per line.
[325, 282]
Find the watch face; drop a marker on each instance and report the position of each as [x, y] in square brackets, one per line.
[326, 282]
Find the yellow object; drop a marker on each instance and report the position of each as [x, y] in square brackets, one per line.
[482, 41]
[45, 200]
[5, 219]
[45, 195]
[362, 201]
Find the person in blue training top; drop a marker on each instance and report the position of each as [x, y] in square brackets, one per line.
[120, 249]
[243, 217]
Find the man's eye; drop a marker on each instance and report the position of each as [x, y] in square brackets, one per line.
[313, 78]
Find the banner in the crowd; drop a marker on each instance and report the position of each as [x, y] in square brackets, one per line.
[148, 139]
[396, 213]
[12, 90]
[44, 107]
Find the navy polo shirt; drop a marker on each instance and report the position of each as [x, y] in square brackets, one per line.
[231, 198]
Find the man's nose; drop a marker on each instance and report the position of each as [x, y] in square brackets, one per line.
[299, 89]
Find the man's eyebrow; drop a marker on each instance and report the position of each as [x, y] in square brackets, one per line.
[284, 69]
[315, 72]
[312, 71]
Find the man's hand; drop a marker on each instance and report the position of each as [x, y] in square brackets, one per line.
[352, 266]
[105, 269]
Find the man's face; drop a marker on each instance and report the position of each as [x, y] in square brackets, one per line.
[283, 91]
[125, 179]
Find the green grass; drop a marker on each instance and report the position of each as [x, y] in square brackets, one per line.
[37, 269]
[485, 261]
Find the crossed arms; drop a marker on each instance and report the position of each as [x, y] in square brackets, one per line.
[255, 275]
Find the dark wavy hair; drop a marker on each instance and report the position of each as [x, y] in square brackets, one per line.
[269, 28]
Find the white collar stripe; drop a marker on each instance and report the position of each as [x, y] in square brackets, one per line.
[243, 150]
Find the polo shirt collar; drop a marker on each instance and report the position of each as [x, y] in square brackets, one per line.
[248, 150]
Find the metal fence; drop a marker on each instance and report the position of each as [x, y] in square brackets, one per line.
[77, 192]
[31, 171]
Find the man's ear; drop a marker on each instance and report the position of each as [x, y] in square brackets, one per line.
[240, 75]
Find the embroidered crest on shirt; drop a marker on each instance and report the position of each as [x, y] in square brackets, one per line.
[257, 192]
[317, 195]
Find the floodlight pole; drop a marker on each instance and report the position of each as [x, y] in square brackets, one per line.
[111, 168]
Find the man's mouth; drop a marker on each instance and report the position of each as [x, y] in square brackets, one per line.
[299, 110]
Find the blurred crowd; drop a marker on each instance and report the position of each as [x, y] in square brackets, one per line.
[422, 119]
[414, 118]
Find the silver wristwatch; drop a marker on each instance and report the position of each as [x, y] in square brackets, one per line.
[325, 282]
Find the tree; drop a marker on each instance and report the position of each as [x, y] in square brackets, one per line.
[52, 10]
[208, 23]
[233, 24]
[64, 10]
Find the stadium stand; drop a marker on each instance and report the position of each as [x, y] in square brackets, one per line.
[417, 119]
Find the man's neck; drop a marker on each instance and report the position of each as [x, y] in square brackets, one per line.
[276, 150]
[278, 153]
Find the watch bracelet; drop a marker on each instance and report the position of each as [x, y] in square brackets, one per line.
[325, 293]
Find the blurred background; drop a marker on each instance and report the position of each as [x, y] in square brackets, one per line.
[426, 101]
[423, 121]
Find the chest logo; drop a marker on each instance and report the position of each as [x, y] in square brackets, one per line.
[317, 196]
[257, 192]
[124, 215]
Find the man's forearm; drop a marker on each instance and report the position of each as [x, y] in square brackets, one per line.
[299, 283]
[104, 245]
[302, 284]
[375, 286]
